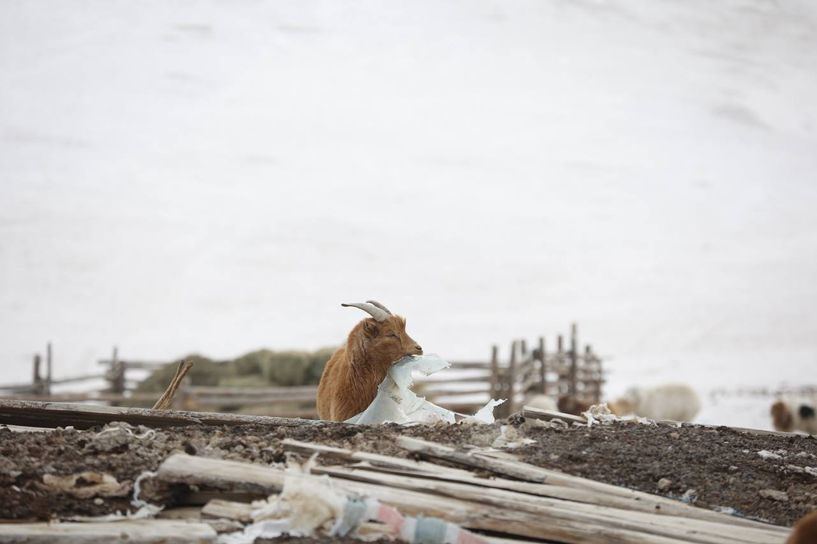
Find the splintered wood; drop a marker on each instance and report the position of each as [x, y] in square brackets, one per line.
[166, 400]
[481, 490]
[521, 501]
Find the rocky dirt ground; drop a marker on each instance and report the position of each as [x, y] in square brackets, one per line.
[767, 477]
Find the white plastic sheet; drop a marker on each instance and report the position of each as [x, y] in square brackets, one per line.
[396, 402]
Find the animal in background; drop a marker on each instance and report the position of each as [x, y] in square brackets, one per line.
[805, 532]
[572, 405]
[676, 402]
[566, 403]
[794, 415]
[543, 402]
[351, 376]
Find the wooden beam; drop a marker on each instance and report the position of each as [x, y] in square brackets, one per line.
[550, 415]
[485, 509]
[49, 364]
[574, 360]
[83, 416]
[530, 473]
[494, 383]
[166, 531]
[714, 532]
[509, 406]
[217, 508]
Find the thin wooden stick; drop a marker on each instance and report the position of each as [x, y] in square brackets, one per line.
[166, 400]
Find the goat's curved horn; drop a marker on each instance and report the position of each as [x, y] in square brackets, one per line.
[371, 309]
[379, 306]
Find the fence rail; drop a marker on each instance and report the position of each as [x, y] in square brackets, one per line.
[566, 370]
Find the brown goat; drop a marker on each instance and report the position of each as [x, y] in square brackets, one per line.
[805, 532]
[351, 376]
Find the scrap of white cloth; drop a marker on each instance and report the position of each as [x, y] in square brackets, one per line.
[396, 402]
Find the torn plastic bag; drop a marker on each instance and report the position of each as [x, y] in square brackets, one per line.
[396, 402]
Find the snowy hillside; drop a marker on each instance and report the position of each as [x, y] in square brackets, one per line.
[215, 177]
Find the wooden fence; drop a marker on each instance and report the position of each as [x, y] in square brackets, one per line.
[526, 371]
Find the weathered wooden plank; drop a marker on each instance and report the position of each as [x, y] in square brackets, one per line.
[702, 530]
[220, 474]
[253, 391]
[218, 508]
[227, 400]
[530, 473]
[549, 415]
[83, 416]
[147, 398]
[485, 509]
[165, 531]
[143, 365]
[636, 502]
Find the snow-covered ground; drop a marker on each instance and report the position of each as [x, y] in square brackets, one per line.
[216, 177]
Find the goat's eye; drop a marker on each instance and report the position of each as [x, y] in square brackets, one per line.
[392, 335]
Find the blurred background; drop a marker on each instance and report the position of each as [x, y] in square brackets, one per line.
[214, 178]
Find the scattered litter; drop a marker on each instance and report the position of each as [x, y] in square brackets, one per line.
[143, 510]
[726, 510]
[121, 426]
[600, 413]
[811, 470]
[117, 435]
[509, 438]
[766, 454]
[664, 484]
[309, 505]
[484, 414]
[774, 495]
[87, 484]
[557, 423]
[260, 529]
[396, 402]
[690, 496]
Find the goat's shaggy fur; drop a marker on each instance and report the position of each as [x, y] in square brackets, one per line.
[676, 402]
[351, 376]
[805, 532]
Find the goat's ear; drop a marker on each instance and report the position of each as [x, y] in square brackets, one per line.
[371, 328]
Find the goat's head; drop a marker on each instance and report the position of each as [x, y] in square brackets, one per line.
[383, 336]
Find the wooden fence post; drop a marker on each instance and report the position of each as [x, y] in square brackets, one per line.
[594, 364]
[511, 379]
[494, 385]
[36, 380]
[116, 375]
[543, 384]
[561, 381]
[574, 360]
[48, 369]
